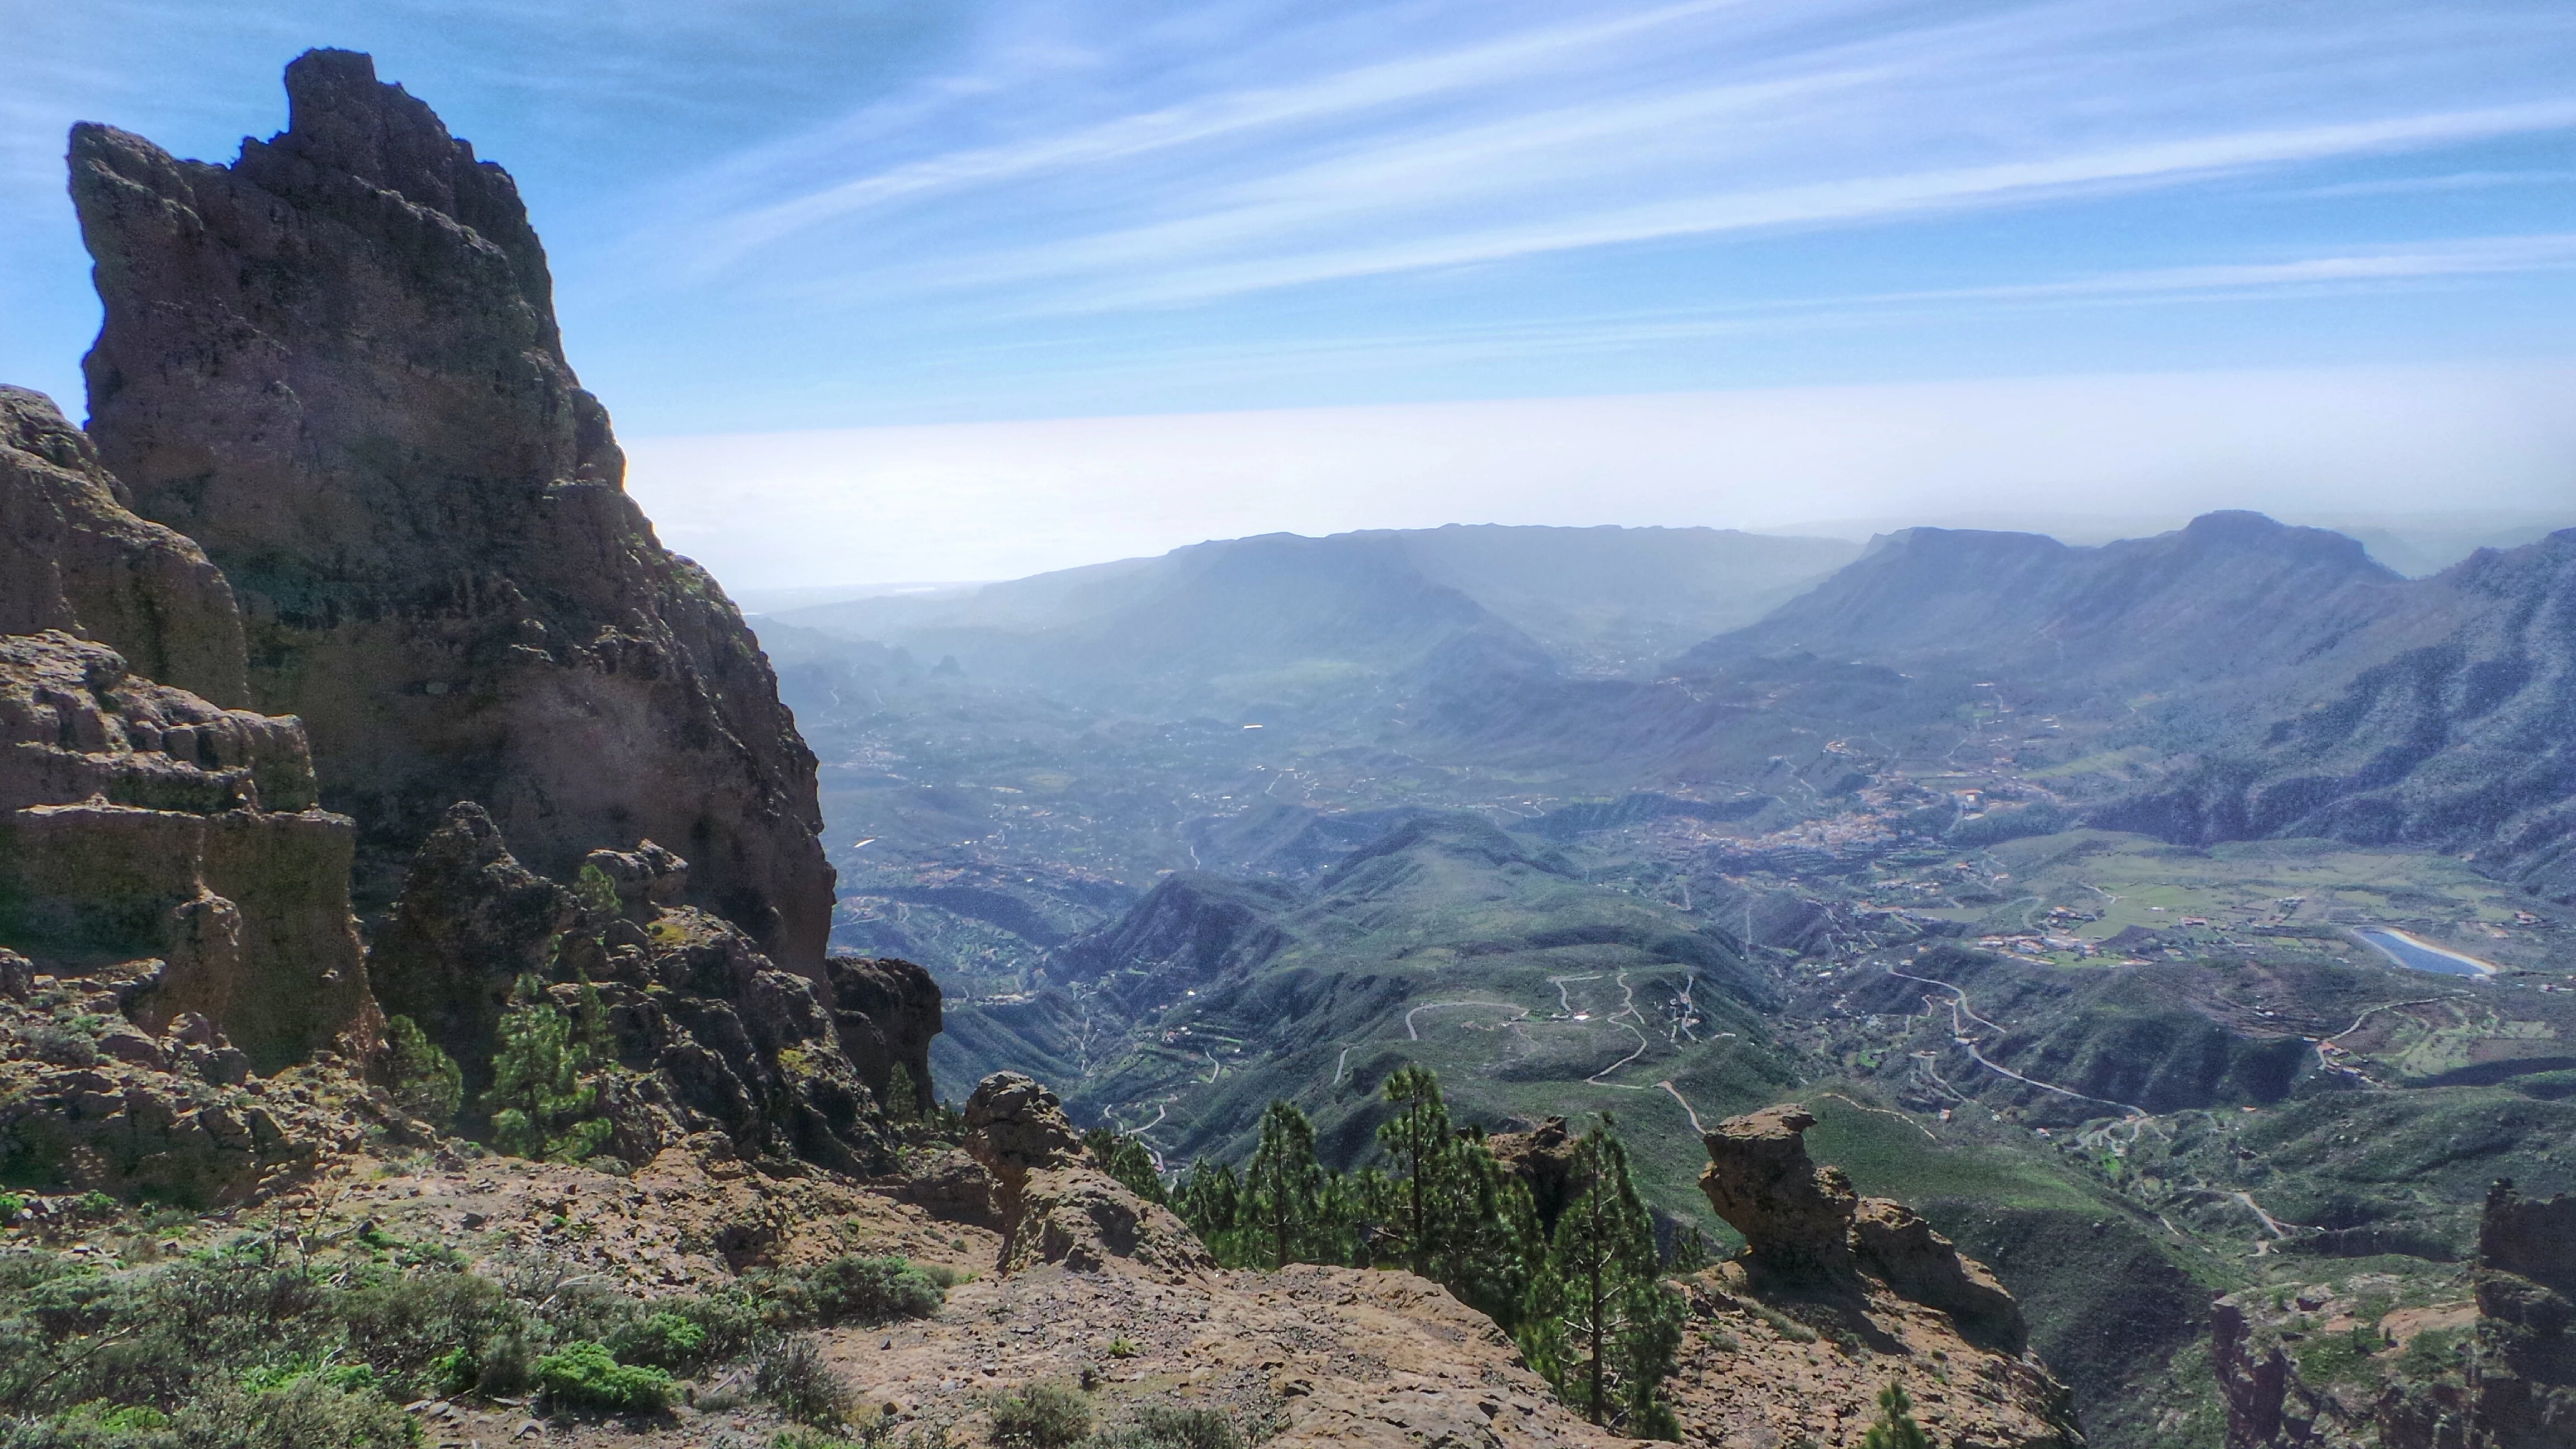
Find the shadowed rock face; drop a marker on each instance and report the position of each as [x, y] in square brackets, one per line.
[712, 1037]
[335, 365]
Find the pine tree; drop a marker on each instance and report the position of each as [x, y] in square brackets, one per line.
[1127, 1160]
[1895, 1428]
[1599, 1324]
[1208, 1199]
[424, 1081]
[902, 1098]
[1284, 1187]
[542, 1104]
[1418, 1137]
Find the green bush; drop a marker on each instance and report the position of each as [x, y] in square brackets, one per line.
[792, 1378]
[304, 1414]
[1160, 1426]
[587, 1377]
[851, 1290]
[734, 1324]
[95, 1425]
[1047, 1414]
[664, 1340]
[12, 1208]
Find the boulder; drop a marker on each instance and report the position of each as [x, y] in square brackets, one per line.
[1806, 1230]
[1055, 1204]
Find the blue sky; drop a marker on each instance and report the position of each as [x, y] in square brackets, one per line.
[773, 218]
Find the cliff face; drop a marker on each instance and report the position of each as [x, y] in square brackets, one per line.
[147, 833]
[2498, 1372]
[335, 365]
[76, 558]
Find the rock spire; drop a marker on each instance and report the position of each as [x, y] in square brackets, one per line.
[335, 365]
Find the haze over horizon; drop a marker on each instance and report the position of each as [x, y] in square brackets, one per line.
[889, 291]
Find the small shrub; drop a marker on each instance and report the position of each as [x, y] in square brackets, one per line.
[586, 1376]
[1122, 1348]
[664, 1340]
[61, 1046]
[1159, 1426]
[853, 1290]
[732, 1323]
[12, 1208]
[506, 1366]
[304, 1413]
[1044, 1415]
[793, 1378]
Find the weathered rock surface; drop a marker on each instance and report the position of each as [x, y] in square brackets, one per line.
[1054, 1202]
[73, 557]
[90, 1100]
[335, 365]
[887, 1010]
[2506, 1381]
[1543, 1159]
[1836, 1295]
[141, 822]
[711, 1036]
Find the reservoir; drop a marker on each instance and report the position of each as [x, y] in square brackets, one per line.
[2415, 955]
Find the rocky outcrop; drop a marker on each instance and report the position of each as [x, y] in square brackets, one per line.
[2524, 1384]
[75, 558]
[470, 921]
[1896, 1300]
[887, 1011]
[335, 365]
[142, 823]
[100, 1094]
[709, 1035]
[1543, 1160]
[2495, 1372]
[1055, 1204]
[1804, 1228]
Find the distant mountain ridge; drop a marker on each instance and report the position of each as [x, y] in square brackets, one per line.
[1193, 623]
[2458, 732]
[2228, 594]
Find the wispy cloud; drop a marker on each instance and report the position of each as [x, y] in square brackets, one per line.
[1512, 140]
[1865, 199]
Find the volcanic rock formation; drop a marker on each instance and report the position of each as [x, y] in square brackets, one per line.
[335, 365]
[74, 557]
[1055, 1204]
[709, 1035]
[1897, 1299]
[145, 832]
